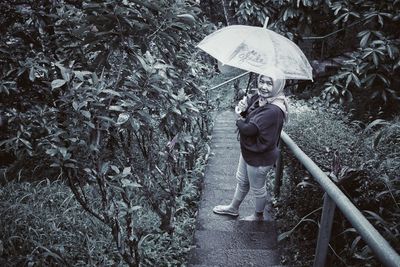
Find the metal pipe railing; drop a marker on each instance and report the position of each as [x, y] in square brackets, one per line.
[386, 254]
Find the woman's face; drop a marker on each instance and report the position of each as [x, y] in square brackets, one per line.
[265, 86]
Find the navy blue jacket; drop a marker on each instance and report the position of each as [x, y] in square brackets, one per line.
[260, 133]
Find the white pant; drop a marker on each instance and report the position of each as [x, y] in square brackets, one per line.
[251, 177]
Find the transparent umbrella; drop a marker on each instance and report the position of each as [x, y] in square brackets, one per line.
[258, 50]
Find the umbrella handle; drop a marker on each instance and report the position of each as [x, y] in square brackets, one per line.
[248, 83]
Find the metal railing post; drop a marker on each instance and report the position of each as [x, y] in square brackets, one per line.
[278, 172]
[325, 229]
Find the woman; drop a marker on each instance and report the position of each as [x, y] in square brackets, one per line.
[260, 125]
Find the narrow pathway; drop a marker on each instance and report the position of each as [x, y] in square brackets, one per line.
[224, 240]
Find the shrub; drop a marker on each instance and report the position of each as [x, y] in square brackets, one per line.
[105, 95]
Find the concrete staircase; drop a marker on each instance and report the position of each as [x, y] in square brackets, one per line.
[224, 240]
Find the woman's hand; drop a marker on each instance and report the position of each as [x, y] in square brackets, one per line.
[243, 104]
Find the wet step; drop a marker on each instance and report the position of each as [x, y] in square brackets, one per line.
[208, 220]
[234, 240]
[240, 226]
[228, 160]
[227, 175]
[231, 133]
[224, 169]
[235, 257]
[201, 265]
[225, 145]
[222, 196]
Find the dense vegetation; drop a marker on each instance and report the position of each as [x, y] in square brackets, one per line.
[106, 97]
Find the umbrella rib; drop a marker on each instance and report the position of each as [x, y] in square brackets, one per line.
[228, 81]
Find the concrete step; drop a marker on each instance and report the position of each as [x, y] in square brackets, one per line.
[225, 129]
[229, 158]
[232, 153]
[208, 220]
[227, 135]
[231, 185]
[223, 170]
[214, 239]
[223, 138]
[202, 265]
[214, 196]
[225, 179]
[240, 226]
[234, 146]
[234, 257]
[225, 125]
[221, 122]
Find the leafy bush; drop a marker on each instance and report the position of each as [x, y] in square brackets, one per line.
[348, 152]
[106, 95]
[370, 73]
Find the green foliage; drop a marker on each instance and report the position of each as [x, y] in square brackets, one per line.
[319, 132]
[360, 36]
[370, 73]
[363, 160]
[250, 12]
[106, 94]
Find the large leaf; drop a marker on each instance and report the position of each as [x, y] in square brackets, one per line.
[57, 83]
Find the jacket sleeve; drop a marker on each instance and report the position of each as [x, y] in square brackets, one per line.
[247, 129]
[269, 126]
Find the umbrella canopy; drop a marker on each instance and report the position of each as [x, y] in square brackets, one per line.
[258, 50]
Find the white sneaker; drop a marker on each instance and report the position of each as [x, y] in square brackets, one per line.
[253, 217]
[225, 210]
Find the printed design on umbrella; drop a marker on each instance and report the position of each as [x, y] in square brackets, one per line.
[246, 54]
[257, 50]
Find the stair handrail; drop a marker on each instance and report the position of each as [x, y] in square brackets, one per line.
[334, 196]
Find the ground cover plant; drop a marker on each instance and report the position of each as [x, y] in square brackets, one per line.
[43, 224]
